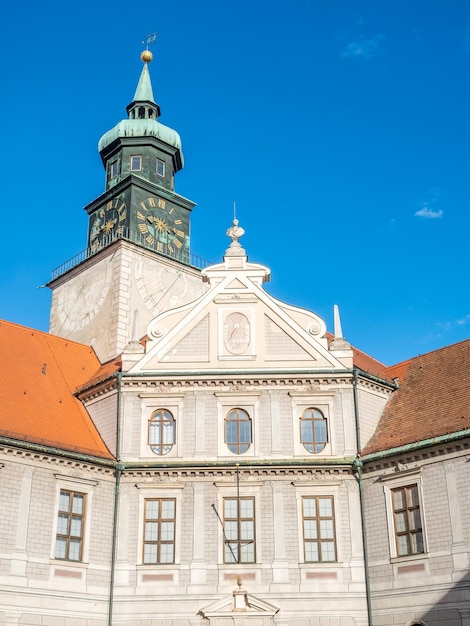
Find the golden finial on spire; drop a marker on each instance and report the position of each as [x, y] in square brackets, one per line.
[146, 55]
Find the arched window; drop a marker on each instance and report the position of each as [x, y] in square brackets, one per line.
[162, 427]
[313, 430]
[238, 431]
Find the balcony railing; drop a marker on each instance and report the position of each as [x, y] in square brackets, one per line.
[183, 256]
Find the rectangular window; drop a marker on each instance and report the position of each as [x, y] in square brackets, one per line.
[70, 525]
[113, 169]
[407, 520]
[160, 168]
[239, 530]
[159, 531]
[136, 163]
[318, 520]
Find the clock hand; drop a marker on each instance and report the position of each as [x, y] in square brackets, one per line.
[235, 328]
[160, 224]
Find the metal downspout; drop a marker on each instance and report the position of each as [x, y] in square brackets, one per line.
[119, 470]
[358, 467]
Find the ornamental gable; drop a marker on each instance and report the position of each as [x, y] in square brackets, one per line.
[237, 325]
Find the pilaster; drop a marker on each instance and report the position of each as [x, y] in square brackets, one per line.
[20, 556]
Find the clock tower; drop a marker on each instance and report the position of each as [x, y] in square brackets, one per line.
[137, 262]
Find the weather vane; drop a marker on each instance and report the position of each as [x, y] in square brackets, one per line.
[150, 39]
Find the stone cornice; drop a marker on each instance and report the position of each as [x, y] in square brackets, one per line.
[300, 382]
[62, 462]
[247, 474]
[425, 455]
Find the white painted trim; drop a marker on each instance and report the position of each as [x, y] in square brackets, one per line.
[149, 491]
[326, 405]
[411, 478]
[230, 491]
[150, 404]
[309, 490]
[80, 485]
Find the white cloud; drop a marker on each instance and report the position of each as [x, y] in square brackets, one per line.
[363, 49]
[448, 326]
[463, 321]
[429, 213]
[428, 206]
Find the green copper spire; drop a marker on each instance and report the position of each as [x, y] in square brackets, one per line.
[143, 113]
[144, 92]
[143, 105]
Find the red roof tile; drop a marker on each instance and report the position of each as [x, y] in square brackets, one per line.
[365, 362]
[433, 399]
[105, 371]
[39, 374]
[368, 364]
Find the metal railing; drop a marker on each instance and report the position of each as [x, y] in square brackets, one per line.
[183, 256]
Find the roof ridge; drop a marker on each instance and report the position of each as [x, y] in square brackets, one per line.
[46, 333]
[424, 354]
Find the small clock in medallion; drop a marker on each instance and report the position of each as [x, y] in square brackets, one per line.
[161, 226]
[236, 333]
[107, 223]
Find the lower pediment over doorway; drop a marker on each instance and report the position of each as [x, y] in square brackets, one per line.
[239, 609]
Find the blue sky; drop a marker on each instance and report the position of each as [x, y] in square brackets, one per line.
[340, 127]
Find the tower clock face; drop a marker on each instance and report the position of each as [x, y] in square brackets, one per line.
[162, 226]
[107, 223]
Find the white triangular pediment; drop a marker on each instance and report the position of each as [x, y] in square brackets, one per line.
[237, 603]
[193, 347]
[237, 325]
[236, 284]
[281, 345]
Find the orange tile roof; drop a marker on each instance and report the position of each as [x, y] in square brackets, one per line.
[364, 361]
[433, 399]
[38, 375]
[368, 364]
[105, 371]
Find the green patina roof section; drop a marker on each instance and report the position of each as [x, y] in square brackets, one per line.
[141, 128]
[144, 87]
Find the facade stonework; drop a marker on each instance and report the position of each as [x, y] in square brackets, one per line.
[182, 449]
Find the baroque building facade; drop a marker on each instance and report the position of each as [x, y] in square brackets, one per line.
[184, 449]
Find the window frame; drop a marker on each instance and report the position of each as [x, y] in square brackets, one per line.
[313, 421]
[78, 485]
[241, 447]
[323, 402]
[238, 543]
[135, 156]
[229, 491]
[331, 488]
[160, 161]
[113, 169]
[409, 533]
[152, 492]
[150, 403]
[393, 483]
[161, 444]
[159, 521]
[70, 515]
[247, 401]
[318, 518]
